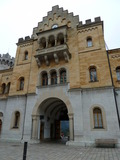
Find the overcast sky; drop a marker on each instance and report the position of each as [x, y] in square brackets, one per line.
[19, 17]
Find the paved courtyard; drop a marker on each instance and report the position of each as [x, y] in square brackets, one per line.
[55, 151]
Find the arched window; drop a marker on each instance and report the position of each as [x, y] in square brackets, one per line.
[21, 83]
[26, 55]
[51, 41]
[42, 43]
[16, 120]
[118, 73]
[93, 74]
[97, 116]
[63, 76]
[89, 42]
[53, 77]
[60, 39]
[44, 79]
[3, 88]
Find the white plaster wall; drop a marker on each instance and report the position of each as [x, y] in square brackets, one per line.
[105, 99]
[13, 104]
[31, 100]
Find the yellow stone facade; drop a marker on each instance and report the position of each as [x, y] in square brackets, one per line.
[65, 44]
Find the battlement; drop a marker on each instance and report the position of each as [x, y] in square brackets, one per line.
[89, 22]
[6, 61]
[27, 38]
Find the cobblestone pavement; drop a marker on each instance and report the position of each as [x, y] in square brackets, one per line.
[55, 151]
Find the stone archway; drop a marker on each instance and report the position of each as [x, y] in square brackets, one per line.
[49, 108]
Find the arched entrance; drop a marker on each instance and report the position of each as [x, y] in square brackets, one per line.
[52, 120]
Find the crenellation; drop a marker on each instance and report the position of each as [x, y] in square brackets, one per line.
[6, 61]
[97, 19]
[88, 21]
[27, 38]
[55, 8]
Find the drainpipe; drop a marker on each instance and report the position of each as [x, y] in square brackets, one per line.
[113, 89]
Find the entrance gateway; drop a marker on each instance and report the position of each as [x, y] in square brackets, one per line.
[52, 121]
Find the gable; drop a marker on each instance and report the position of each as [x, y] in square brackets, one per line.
[56, 18]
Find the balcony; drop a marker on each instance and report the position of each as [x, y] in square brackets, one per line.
[57, 53]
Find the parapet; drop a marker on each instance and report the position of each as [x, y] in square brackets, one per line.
[27, 38]
[6, 61]
[89, 22]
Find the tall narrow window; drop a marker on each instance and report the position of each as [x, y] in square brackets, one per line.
[53, 78]
[118, 73]
[21, 83]
[93, 74]
[89, 42]
[44, 79]
[3, 88]
[62, 76]
[98, 122]
[26, 55]
[17, 119]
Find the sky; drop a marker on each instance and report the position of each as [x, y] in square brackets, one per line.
[19, 17]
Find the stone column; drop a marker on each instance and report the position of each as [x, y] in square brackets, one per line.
[58, 78]
[71, 128]
[55, 41]
[64, 38]
[35, 121]
[49, 79]
[46, 42]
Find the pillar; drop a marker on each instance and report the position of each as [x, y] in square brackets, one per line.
[49, 79]
[35, 121]
[71, 128]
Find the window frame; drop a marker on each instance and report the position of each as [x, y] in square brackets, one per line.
[118, 73]
[89, 42]
[64, 77]
[53, 78]
[93, 74]
[45, 79]
[104, 122]
[97, 114]
[26, 55]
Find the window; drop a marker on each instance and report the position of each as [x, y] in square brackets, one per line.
[93, 74]
[60, 39]
[53, 78]
[63, 76]
[16, 120]
[118, 73]
[21, 83]
[51, 41]
[3, 88]
[26, 55]
[42, 43]
[54, 26]
[89, 42]
[97, 115]
[44, 79]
